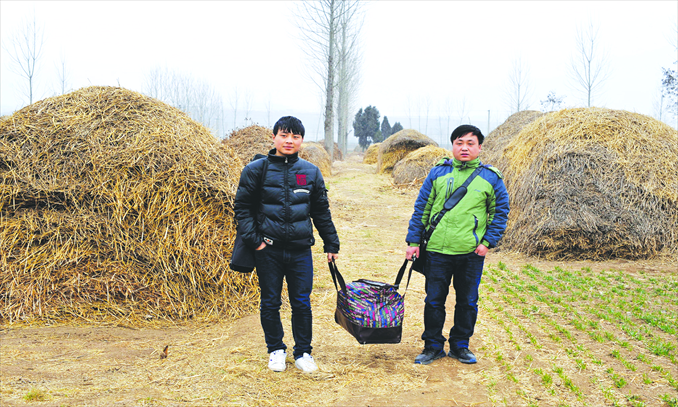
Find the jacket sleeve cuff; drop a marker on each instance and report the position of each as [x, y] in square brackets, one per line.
[412, 244]
[486, 243]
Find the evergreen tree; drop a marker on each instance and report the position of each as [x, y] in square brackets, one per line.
[385, 129]
[358, 129]
[396, 128]
[378, 137]
[366, 125]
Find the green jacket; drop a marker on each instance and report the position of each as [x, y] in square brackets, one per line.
[480, 217]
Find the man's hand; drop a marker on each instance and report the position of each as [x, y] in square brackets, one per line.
[481, 250]
[411, 250]
[332, 256]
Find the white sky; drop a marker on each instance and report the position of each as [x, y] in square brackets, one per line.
[451, 56]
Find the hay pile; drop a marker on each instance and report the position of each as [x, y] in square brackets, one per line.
[372, 154]
[397, 146]
[250, 141]
[115, 206]
[498, 139]
[415, 166]
[593, 183]
[316, 154]
[337, 155]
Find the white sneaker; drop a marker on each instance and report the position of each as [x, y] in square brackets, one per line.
[276, 360]
[306, 363]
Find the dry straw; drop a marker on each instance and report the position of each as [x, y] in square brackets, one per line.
[316, 154]
[372, 154]
[593, 183]
[250, 141]
[115, 205]
[397, 146]
[412, 169]
[498, 139]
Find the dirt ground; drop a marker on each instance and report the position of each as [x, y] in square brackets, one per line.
[225, 362]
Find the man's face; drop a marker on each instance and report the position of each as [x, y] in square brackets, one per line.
[466, 147]
[286, 143]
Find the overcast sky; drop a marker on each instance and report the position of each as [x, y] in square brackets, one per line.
[454, 57]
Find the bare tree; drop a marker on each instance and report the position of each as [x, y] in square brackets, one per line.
[462, 111]
[62, 75]
[552, 102]
[518, 91]
[268, 111]
[248, 107]
[348, 74]
[195, 97]
[658, 104]
[669, 85]
[25, 50]
[233, 101]
[427, 104]
[320, 24]
[589, 67]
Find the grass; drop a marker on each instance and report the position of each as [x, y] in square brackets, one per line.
[35, 395]
[624, 320]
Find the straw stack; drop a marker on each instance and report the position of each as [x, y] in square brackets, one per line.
[414, 168]
[498, 139]
[372, 154]
[593, 183]
[250, 141]
[397, 146]
[316, 154]
[116, 205]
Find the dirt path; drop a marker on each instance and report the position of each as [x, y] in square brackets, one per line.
[225, 363]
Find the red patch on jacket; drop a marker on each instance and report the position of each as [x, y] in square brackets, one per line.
[301, 179]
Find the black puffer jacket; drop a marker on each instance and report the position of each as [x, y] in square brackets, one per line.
[280, 212]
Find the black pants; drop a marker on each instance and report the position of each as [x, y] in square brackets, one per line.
[296, 266]
[464, 271]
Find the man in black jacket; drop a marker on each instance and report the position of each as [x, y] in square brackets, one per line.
[278, 196]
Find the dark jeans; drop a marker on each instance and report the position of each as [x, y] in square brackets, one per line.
[464, 271]
[296, 266]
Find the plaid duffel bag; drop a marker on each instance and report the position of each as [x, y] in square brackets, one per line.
[369, 310]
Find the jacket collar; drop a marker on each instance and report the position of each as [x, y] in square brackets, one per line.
[464, 164]
[292, 158]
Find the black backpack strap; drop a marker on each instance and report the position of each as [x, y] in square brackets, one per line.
[454, 199]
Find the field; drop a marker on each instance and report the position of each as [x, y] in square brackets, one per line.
[549, 333]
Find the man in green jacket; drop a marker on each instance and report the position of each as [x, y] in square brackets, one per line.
[456, 250]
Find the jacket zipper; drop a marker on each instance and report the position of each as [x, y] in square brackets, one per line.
[287, 202]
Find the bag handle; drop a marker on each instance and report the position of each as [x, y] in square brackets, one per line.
[401, 273]
[338, 279]
[336, 276]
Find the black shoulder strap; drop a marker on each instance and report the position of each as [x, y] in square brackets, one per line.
[263, 173]
[454, 199]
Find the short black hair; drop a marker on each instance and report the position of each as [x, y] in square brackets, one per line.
[289, 124]
[465, 129]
